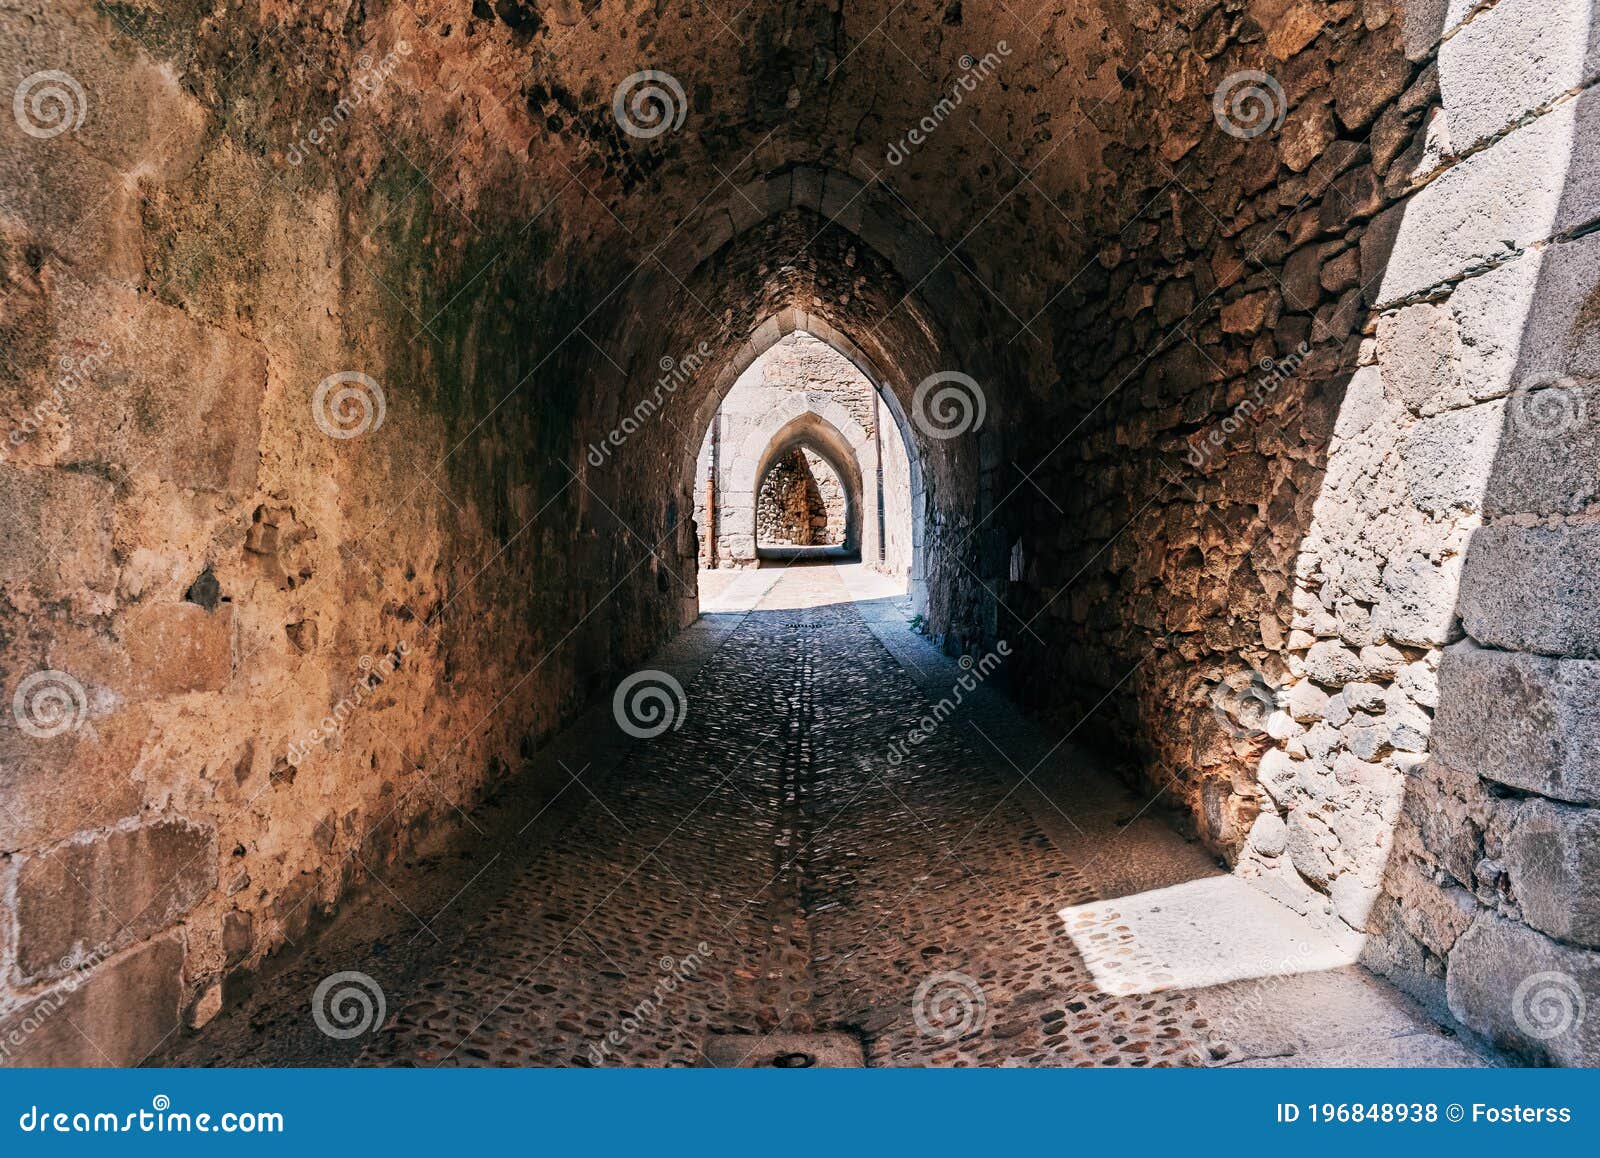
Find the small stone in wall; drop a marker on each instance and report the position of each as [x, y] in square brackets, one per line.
[205, 590]
[302, 635]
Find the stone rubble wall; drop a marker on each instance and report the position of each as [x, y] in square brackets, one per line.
[1336, 575]
[801, 503]
[829, 510]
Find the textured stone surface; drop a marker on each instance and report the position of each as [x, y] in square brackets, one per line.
[1552, 859]
[1534, 589]
[84, 898]
[176, 648]
[1526, 992]
[1513, 59]
[1522, 720]
[130, 1011]
[42, 805]
[1536, 181]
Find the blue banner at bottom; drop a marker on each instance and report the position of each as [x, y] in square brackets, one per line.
[697, 1112]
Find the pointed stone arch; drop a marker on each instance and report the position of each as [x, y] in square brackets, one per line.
[821, 425]
[857, 442]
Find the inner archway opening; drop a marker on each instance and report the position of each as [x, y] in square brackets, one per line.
[802, 503]
[803, 459]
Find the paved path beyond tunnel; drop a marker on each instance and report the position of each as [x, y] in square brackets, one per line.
[790, 863]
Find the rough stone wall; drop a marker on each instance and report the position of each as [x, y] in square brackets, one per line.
[1487, 344]
[791, 509]
[1299, 385]
[234, 682]
[1206, 350]
[829, 508]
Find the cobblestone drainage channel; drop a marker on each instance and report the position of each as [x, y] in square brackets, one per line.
[828, 1051]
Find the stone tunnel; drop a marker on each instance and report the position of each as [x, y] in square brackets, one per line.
[1208, 389]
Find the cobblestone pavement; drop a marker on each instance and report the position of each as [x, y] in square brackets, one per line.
[786, 864]
[767, 869]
